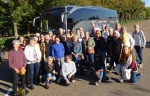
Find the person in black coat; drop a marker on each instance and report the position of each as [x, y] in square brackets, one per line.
[49, 71]
[67, 44]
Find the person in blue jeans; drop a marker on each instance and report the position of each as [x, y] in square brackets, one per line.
[49, 71]
[88, 44]
[99, 70]
[134, 68]
[140, 43]
[33, 55]
[76, 51]
[100, 47]
[128, 60]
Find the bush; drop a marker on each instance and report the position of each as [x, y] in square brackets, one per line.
[6, 43]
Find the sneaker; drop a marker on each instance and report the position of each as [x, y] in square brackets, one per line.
[73, 81]
[120, 80]
[140, 65]
[141, 74]
[97, 82]
[47, 87]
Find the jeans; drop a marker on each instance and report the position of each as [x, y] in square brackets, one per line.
[78, 63]
[45, 76]
[139, 53]
[100, 74]
[34, 69]
[90, 57]
[15, 81]
[102, 54]
[59, 62]
[134, 77]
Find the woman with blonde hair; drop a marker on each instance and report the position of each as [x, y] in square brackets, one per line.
[127, 39]
[100, 47]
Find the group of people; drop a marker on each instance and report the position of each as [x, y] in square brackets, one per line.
[60, 57]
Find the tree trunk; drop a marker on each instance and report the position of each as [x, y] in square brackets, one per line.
[15, 29]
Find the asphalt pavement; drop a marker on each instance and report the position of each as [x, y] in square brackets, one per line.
[83, 87]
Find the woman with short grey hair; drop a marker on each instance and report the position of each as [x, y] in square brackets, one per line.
[17, 62]
[68, 70]
[33, 55]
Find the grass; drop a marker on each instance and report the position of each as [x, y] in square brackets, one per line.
[130, 21]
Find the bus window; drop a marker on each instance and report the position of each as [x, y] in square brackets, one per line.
[45, 25]
[70, 23]
[91, 14]
[54, 19]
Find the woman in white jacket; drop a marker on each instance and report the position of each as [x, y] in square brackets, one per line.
[33, 55]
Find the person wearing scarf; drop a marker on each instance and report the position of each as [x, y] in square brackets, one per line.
[127, 39]
[128, 60]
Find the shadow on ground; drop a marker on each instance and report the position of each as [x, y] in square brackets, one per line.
[5, 77]
[148, 44]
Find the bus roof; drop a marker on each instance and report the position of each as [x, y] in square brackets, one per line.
[77, 7]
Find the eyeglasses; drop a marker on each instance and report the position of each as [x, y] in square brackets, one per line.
[97, 33]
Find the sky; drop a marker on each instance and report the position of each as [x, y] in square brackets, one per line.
[147, 3]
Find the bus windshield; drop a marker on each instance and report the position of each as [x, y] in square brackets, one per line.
[51, 20]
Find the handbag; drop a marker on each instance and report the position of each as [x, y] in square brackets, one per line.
[126, 74]
[91, 51]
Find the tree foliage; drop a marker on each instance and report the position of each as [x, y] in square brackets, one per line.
[18, 14]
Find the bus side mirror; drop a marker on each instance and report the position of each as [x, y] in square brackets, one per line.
[63, 16]
[35, 20]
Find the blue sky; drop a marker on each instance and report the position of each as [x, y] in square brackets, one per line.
[147, 3]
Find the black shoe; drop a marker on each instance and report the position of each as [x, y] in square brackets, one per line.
[38, 84]
[107, 78]
[31, 87]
